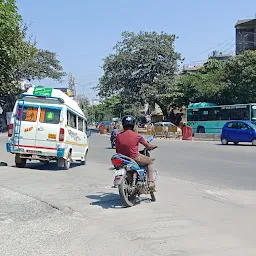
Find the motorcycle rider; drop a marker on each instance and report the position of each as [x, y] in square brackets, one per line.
[114, 133]
[127, 143]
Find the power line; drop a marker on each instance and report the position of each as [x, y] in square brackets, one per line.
[228, 45]
[229, 48]
[214, 47]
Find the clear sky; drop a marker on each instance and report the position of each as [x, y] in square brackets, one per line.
[83, 32]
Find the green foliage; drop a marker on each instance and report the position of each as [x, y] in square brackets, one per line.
[230, 82]
[132, 71]
[42, 64]
[13, 49]
[19, 58]
[84, 102]
[106, 110]
[205, 85]
[240, 79]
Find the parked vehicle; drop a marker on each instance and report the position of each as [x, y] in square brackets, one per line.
[166, 125]
[107, 124]
[238, 131]
[131, 179]
[46, 125]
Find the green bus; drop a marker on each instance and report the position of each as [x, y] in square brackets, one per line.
[210, 118]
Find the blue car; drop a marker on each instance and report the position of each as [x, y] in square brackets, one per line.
[238, 131]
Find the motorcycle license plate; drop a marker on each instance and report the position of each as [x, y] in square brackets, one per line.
[120, 172]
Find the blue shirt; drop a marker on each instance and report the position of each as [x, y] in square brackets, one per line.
[115, 132]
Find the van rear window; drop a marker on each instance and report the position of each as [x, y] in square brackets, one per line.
[29, 114]
[49, 116]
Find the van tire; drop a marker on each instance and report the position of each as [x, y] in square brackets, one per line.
[85, 158]
[254, 142]
[20, 162]
[67, 161]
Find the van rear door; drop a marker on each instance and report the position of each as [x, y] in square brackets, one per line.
[28, 125]
[48, 127]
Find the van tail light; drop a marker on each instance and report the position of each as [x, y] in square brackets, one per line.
[61, 135]
[10, 130]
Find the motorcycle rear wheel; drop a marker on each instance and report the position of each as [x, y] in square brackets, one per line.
[127, 199]
[153, 198]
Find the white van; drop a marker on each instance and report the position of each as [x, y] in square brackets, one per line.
[46, 125]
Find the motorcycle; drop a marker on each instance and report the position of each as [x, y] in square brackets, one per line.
[113, 141]
[130, 178]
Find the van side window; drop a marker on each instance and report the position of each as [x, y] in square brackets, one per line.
[49, 116]
[71, 120]
[29, 114]
[80, 124]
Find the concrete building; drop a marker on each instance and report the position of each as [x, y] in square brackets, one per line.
[190, 68]
[220, 56]
[245, 35]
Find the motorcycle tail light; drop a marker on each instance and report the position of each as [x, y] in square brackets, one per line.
[117, 162]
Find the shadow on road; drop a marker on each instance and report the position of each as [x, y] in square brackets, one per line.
[233, 145]
[112, 201]
[106, 200]
[110, 148]
[48, 167]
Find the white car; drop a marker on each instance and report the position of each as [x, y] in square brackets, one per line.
[166, 125]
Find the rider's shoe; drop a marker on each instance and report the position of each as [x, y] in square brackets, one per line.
[152, 187]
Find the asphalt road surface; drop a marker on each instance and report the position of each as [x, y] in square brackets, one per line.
[205, 205]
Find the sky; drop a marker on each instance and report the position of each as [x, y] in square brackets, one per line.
[83, 32]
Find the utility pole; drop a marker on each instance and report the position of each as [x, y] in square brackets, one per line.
[72, 85]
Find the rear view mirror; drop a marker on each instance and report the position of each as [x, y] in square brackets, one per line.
[150, 138]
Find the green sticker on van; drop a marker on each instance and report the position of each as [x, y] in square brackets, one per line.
[41, 91]
[50, 116]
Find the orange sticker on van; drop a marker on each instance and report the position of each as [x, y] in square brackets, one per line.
[28, 129]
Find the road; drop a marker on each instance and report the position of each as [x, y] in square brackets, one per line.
[205, 205]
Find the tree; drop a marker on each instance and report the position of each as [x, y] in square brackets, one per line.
[84, 102]
[230, 82]
[19, 58]
[239, 75]
[205, 85]
[106, 109]
[139, 61]
[14, 51]
[42, 64]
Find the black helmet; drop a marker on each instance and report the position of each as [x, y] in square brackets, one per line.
[128, 121]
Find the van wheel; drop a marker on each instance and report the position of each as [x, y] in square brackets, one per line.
[20, 162]
[85, 158]
[67, 161]
[254, 142]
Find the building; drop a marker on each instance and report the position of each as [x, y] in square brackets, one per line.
[190, 68]
[220, 56]
[245, 35]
